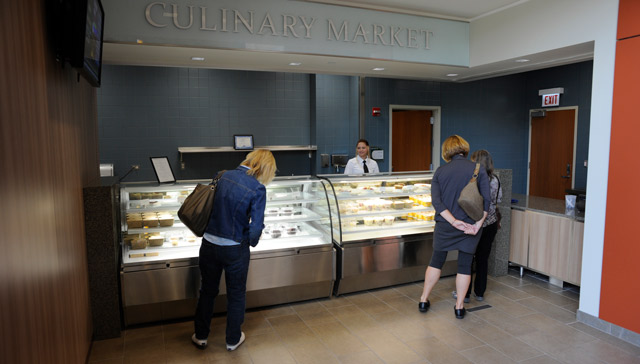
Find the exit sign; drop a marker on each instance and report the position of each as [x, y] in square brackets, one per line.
[551, 100]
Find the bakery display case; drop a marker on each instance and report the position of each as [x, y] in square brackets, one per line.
[384, 233]
[160, 278]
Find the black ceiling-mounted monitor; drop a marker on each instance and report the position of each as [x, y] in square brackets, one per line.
[83, 38]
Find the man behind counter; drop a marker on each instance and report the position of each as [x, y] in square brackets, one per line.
[362, 163]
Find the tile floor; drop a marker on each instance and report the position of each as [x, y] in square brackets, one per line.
[528, 321]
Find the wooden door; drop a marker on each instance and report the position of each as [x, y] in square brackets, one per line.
[552, 162]
[411, 140]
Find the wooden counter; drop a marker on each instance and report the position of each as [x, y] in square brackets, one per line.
[545, 239]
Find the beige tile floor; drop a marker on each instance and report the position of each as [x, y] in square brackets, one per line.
[529, 321]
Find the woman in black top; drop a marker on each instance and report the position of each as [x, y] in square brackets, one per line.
[454, 230]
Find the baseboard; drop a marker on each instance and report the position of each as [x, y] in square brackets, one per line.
[609, 328]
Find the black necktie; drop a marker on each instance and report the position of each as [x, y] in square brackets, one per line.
[364, 165]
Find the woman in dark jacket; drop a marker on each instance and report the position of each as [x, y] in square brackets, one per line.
[454, 230]
[236, 223]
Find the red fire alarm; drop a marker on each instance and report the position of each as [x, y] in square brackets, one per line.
[375, 111]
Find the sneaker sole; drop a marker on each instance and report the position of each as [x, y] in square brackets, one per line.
[234, 347]
[197, 345]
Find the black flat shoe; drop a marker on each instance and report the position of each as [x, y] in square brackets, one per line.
[424, 306]
[459, 312]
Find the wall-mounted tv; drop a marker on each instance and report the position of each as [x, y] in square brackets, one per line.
[83, 38]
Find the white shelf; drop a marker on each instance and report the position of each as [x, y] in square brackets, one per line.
[177, 225]
[273, 148]
[306, 215]
[387, 212]
[361, 232]
[294, 201]
[348, 196]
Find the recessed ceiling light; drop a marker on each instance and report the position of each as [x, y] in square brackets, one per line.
[197, 58]
[522, 60]
[295, 64]
[378, 69]
[452, 74]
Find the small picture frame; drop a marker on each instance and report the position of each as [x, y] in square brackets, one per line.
[243, 142]
[163, 170]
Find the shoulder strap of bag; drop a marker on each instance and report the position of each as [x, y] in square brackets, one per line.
[217, 178]
[475, 172]
[498, 191]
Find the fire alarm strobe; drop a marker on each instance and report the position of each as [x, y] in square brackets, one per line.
[375, 111]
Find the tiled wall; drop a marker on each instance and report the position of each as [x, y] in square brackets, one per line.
[337, 117]
[382, 92]
[151, 111]
[490, 114]
[576, 81]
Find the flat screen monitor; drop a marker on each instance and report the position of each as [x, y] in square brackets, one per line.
[85, 34]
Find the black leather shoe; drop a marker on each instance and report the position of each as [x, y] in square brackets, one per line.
[459, 312]
[424, 306]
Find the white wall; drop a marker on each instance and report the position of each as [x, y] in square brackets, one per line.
[543, 25]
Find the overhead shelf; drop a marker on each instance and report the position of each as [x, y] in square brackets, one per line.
[273, 148]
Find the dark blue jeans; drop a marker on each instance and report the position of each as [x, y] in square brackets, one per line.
[234, 260]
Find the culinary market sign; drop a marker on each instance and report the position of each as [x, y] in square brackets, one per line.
[208, 19]
[288, 26]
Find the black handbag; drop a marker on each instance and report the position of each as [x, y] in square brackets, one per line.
[470, 198]
[196, 209]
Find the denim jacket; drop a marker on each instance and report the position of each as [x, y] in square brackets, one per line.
[238, 208]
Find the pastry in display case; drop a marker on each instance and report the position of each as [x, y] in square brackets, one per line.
[158, 251]
[151, 228]
[376, 206]
[385, 230]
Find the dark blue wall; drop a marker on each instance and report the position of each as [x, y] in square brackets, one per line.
[382, 92]
[151, 111]
[491, 114]
[337, 117]
[576, 81]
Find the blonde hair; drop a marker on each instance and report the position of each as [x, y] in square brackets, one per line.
[453, 145]
[484, 158]
[262, 165]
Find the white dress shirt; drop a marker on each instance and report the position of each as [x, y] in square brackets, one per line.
[355, 166]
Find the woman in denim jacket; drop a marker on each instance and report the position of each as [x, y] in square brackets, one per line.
[236, 223]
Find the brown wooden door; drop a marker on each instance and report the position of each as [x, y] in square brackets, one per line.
[551, 167]
[411, 140]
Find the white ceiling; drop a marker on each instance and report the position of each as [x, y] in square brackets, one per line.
[463, 10]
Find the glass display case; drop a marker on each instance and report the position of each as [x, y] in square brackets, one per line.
[382, 205]
[384, 232]
[294, 260]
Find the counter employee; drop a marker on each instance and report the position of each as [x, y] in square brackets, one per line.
[362, 163]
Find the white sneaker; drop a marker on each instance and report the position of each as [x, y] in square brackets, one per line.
[200, 344]
[234, 347]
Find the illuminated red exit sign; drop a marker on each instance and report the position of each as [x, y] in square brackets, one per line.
[551, 100]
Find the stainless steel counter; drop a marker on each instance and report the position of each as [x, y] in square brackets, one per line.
[545, 205]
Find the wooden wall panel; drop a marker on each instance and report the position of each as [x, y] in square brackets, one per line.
[519, 238]
[48, 132]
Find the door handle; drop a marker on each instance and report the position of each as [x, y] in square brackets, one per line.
[568, 171]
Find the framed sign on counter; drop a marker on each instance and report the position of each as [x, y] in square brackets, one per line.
[163, 170]
[243, 142]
